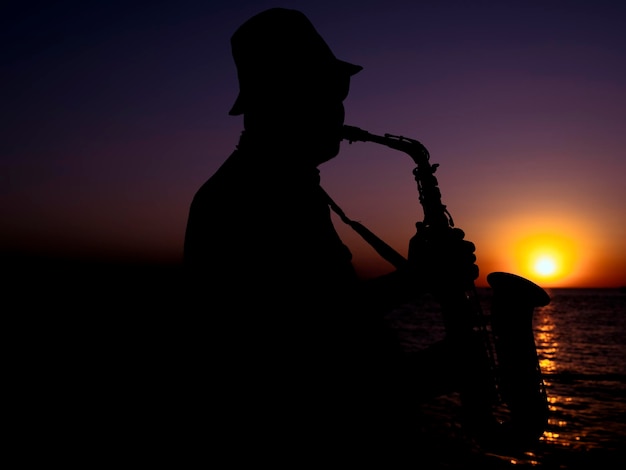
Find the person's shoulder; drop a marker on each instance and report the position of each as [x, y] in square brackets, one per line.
[222, 173]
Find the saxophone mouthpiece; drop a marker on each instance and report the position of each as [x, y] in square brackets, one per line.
[354, 134]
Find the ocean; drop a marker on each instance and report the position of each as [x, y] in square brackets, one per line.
[581, 344]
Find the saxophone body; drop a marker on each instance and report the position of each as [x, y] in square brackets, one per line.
[502, 392]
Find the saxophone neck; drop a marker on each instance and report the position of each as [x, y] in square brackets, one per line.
[411, 147]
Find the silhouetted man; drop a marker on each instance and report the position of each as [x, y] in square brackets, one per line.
[294, 346]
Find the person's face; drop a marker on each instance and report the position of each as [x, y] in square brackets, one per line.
[318, 117]
[308, 114]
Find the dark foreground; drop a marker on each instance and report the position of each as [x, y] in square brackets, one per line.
[99, 374]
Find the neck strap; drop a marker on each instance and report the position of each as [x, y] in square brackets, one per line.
[382, 248]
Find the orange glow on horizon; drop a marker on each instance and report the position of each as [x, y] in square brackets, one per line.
[552, 251]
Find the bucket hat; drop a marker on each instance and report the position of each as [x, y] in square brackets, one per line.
[280, 45]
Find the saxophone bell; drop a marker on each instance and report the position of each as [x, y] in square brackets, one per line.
[520, 381]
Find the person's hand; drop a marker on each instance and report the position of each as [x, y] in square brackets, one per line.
[442, 260]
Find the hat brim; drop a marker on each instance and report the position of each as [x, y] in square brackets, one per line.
[239, 107]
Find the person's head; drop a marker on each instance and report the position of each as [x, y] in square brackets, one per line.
[290, 82]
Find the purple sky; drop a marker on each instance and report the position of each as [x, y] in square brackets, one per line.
[113, 115]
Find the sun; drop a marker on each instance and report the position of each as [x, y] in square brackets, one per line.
[546, 257]
[545, 266]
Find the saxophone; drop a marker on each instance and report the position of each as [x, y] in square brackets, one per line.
[502, 391]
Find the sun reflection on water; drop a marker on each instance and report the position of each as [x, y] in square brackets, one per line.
[559, 430]
[546, 339]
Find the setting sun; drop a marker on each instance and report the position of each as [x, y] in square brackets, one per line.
[545, 266]
[546, 257]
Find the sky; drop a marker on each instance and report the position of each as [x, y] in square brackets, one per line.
[114, 113]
